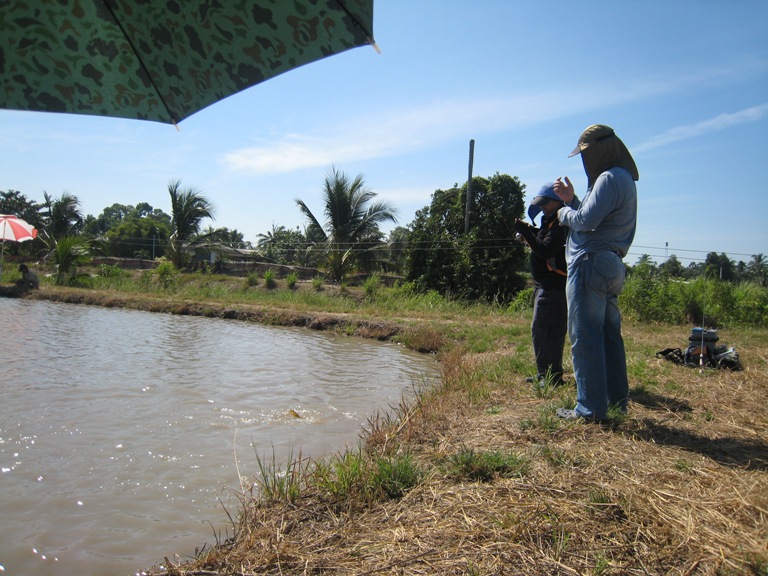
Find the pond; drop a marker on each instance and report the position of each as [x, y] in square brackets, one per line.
[124, 433]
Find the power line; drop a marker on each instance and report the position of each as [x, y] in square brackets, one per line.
[448, 243]
[673, 250]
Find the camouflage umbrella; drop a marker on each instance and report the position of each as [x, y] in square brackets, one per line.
[162, 60]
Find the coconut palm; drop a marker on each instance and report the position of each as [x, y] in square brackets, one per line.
[758, 269]
[69, 253]
[283, 245]
[351, 228]
[223, 236]
[63, 216]
[188, 209]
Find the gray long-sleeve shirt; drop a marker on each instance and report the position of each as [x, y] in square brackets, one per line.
[605, 220]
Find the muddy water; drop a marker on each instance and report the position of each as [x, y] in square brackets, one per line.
[123, 432]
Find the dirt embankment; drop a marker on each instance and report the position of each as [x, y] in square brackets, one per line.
[366, 328]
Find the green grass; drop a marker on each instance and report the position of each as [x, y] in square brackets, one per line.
[274, 483]
[354, 476]
[484, 466]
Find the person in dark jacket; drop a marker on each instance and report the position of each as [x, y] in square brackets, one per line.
[548, 268]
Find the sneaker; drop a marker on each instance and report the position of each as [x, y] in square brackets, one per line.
[543, 383]
[567, 414]
[529, 380]
[572, 415]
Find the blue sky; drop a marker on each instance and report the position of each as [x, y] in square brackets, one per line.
[683, 83]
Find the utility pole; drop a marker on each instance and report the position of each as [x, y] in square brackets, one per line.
[469, 186]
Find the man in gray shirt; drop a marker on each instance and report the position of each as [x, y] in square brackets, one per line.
[602, 227]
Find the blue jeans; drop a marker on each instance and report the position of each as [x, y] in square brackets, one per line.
[594, 327]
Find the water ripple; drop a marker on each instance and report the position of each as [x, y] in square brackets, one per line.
[119, 429]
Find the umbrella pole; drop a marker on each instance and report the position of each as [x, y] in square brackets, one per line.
[2, 252]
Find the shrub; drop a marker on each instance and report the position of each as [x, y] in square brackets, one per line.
[522, 301]
[108, 271]
[145, 280]
[69, 253]
[167, 275]
[292, 280]
[372, 285]
[317, 283]
[270, 280]
[251, 280]
[753, 304]
[705, 301]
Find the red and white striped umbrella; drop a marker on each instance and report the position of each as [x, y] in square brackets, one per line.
[15, 230]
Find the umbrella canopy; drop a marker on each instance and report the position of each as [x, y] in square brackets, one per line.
[162, 60]
[16, 230]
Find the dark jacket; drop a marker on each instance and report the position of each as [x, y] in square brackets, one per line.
[547, 244]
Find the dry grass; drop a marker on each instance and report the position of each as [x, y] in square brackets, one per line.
[678, 488]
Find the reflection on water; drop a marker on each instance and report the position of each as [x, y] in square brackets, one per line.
[121, 430]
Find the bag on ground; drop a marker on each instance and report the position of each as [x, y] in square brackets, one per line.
[703, 351]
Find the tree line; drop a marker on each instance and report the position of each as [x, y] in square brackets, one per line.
[468, 256]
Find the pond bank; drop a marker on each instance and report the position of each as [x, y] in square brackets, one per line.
[348, 324]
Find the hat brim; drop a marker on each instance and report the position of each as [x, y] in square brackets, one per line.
[576, 151]
[533, 211]
[540, 200]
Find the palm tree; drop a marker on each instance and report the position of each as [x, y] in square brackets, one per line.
[351, 227]
[188, 209]
[758, 269]
[271, 237]
[68, 253]
[63, 216]
[283, 245]
[226, 237]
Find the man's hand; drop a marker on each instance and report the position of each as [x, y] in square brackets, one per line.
[564, 190]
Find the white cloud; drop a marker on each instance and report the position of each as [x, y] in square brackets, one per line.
[398, 132]
[401, 131]
[721, 122]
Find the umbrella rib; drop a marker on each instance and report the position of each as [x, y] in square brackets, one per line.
[368, 34]
[141, 61]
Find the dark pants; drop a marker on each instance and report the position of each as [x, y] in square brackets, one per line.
[550, 324]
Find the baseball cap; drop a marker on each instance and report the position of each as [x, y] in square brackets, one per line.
[544, 195]
[592, 135]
